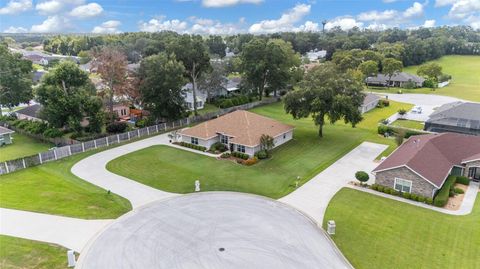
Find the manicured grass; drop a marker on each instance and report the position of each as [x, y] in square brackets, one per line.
[376, 232]
[306, 155]
[16, 253]
[412, 124]
[465, 72]
[207, 109]
[51, 188]
[22, 146]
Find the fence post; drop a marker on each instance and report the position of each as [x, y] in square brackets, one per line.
[69, 150]
[40, 157]
[106, 139]
[6, 167]
[156, 126]
[148, 131]
[138, 132]
[55, 154]
[173, 125]
[83, 147]
[95, 143]
[23, 161]
[164, 127]
[118, 138]
[128, 135]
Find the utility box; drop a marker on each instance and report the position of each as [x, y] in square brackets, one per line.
[331, 227]
[71, 258]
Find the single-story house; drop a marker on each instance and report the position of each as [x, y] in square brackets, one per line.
[239, 130]
[31, 112]
[188, 96]
[122, 111]
[369, 102]
[458, 117]
[397, 80]
[422, 164]
[5, 136]
[315, 55]
[36, 59]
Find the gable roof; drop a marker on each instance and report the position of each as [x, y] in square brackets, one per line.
[402, 77]
[244, 128]
[432, 155]
[31, 111]
[369, 98]
[459, 114]
[4, 130]
[475, 157]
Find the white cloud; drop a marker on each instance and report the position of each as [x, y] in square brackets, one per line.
[55, 6]
[464, 8]
[15, 30]
[414, 11]
[429, 24]
[377, 26]
[156, 25]
[225, 3]
[442, 3]
[284, 23]
[377, 15]
[308, 26]
[53, 24]
[87, 11]
[474, 21]
[214, 27]
[346, 23]
[16, 6]
[108, 27]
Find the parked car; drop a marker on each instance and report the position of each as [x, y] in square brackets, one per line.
[417, 110]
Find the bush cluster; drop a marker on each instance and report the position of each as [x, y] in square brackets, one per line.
[406, 195]
[192, 146]
[240, 155]
[232, 101]
[443, 194]
[362, 176]
[458, 191]
[225, 155]
[37, 128]
[117, 127]
[383, 129]
[262, 154]
[383, 103]
[250, 161]
[218, 147]
[463, 180]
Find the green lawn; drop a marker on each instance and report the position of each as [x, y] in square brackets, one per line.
[207, 109]
[375, 232]
[51, 188]
[16, 253]
[465, 72]
[412, 124]
[22, 146]
[304, 156]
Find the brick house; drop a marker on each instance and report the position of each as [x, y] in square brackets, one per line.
[239, 131]
[422, 164]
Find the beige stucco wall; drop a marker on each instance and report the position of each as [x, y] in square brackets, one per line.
[419, 185]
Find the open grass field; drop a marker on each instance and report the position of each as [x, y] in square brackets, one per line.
[304, 156]
[51, 188]
[412, 124]
[376, 232]
[16, 253]
[465, 72]
[22, 146]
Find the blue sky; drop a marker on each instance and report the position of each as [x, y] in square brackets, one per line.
[229, 16]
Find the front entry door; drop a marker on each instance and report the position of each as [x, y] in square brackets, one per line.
[231, 147]
[474, 173]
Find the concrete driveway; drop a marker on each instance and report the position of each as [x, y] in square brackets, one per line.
[213, 230]
[314, 196]
[428, 102]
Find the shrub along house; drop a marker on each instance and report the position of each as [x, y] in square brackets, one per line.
[422, 164]
[239, 131]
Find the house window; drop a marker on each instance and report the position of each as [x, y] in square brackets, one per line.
[284, 136]
[199, 104]
[224, 139]
[194, 140]
[403, 185]
[241, 148]
[123, 112]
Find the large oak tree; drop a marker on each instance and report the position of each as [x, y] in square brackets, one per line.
[327, 94]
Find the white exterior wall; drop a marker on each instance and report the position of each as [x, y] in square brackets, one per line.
[201, 142]
[369, 106]
[279, 140]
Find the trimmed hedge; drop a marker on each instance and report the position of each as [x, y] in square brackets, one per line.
[218, 146]
[192, 146]
[406, 195]
[362, 176]
[463, 180]
[225, 155]
[443, 194]
[262, 154]
[240, 155]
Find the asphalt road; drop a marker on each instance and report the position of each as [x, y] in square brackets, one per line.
[213, 230]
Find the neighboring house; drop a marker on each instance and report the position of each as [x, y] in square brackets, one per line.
[458, 117]
[315, 55]
[398, 80]
[233, 84]
[36, 59]
[122, 111]
[188, 97]
[239, 131]
[422, 164]
[5, 136]
[31, 112]
[370, 102]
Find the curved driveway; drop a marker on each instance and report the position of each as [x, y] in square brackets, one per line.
[213, 230]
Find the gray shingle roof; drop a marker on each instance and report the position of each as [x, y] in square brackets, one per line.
[4, 130]
[31, 111]
[402, 77]
[457, 114]
[370, 97]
